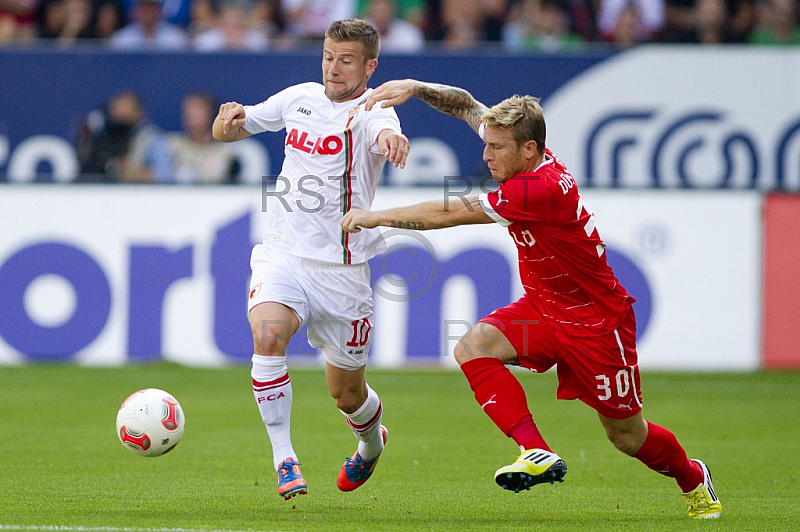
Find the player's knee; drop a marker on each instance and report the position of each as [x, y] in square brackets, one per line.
[470, 348]
[268, 340]
[348, 401]
[463, 352]
[626, 442]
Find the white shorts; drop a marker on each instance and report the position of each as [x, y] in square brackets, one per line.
[335, 300]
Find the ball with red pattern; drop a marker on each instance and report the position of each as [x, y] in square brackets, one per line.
[150, 422]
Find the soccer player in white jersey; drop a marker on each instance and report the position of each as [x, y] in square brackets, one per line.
[308, 270]
[574, 313]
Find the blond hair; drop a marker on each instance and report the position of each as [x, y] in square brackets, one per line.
[523, 116]
[356, 30]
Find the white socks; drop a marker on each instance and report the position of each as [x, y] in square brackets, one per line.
[273, 392]
[366, 425]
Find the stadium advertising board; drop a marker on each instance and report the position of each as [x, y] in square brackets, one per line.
[781, 289]
[108, 275]
[653, 116]
[682, 118]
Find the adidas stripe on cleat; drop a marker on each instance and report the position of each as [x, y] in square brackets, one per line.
[290, 479]
[355, 471]
[534, 466]
[702, 501]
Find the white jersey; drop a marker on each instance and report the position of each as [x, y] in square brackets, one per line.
[332, 164]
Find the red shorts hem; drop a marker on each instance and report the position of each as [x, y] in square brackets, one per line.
[601, 371]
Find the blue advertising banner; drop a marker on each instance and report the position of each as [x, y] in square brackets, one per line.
[649, 117]
[118, 274]
[45, 95]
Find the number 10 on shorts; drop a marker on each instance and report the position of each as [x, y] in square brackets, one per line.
[361, 329]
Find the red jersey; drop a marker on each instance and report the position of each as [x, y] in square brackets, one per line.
[562, 260]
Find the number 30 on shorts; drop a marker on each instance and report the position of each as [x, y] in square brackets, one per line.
[622, 380]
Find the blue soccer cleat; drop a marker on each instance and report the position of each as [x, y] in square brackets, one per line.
[355, 471]
[290, 479]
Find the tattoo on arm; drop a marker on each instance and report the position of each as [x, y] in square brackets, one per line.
[407, 225]
[452, 101]
[474, 115]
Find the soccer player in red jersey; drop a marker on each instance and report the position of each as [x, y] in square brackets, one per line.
[574, 312]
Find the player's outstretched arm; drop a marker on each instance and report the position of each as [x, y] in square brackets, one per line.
[422, 216]
[229, 124]
[453, 101]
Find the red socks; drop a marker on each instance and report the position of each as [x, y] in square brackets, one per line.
[502, 398]
[662, 453]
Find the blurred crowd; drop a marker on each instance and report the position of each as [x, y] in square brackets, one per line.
[118, 143]
[404, 25]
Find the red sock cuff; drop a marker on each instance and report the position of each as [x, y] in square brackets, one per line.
[478, 370]
[648, 451]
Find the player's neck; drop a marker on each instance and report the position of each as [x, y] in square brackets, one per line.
[533, 164]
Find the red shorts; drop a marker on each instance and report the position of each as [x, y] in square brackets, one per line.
[602, 371]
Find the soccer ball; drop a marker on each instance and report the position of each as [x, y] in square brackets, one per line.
[150, 422]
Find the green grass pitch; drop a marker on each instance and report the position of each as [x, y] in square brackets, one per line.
[62, 467]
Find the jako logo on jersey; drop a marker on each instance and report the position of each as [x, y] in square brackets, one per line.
[305, 111]
[271, 397]
[330, 145]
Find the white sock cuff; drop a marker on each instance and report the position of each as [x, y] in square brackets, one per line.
[268, 368]
[368, 409]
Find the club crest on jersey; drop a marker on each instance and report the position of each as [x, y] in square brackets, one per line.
[330, 145]
[351, 116]
[255, 290]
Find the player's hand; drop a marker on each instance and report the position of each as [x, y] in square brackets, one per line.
[231, 114]
[394, 147]
[355, 219]
[391, 93]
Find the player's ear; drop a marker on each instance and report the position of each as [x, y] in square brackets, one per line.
[372, 64]
[531, 149]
